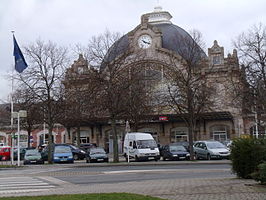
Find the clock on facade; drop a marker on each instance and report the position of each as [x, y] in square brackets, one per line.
[144, 41]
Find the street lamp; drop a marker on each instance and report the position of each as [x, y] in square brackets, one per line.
[18, 115]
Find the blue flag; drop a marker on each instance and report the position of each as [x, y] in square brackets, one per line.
[20, 63]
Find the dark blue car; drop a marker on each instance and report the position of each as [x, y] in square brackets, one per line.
[174, 152]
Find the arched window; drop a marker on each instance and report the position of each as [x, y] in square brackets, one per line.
[219, 132]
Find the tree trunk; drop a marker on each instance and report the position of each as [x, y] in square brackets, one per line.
[50, 134]
[68, 133]
[29, 133]
[50, 144]
[78, 136]
[115, 142]
[190, 122]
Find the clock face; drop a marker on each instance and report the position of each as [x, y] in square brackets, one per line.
[144, 41]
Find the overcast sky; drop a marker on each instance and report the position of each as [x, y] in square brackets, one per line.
[68, 22]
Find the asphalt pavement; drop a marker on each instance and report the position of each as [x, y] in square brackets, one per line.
[40, 182]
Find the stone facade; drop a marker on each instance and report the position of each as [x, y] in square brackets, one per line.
[221, 122]
[157, 42]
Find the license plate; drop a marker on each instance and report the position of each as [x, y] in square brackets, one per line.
[64, 159]
[175, 155]
[150, 158]
[33, 161]
[182, 157]
[100, 159]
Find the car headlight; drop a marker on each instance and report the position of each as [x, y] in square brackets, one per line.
[71, 156]
[82, 151]
[142, 154]
[187, 155]
[56, 157]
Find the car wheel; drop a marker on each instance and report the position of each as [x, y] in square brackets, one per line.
[208, 157]
[136, 158]
[76, 157]
[196, 156]
[126, 158]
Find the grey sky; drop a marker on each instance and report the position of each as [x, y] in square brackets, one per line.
[68, 22]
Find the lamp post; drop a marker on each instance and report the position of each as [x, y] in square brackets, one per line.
[127, 131]
[18, 115]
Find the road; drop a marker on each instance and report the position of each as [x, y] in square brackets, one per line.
[168, 180]
[120, 174]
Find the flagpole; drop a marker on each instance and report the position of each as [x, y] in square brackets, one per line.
[12, 110]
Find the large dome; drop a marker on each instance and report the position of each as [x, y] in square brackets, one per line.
[173, 38]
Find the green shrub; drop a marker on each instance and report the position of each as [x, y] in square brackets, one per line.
[260, 173]
[246, 155]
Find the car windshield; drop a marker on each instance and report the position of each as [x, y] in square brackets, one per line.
[215, 145]
[143, 144]
[97, 151]
[176, 148]
[62, 149]
[32, 153]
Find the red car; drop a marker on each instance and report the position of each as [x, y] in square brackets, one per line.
[5, 152]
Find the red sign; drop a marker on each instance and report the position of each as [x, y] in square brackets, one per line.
[163, 118]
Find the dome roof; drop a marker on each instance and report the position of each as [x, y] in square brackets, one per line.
[178, 40]
[174, 39]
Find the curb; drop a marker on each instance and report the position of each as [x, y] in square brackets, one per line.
[110, 164]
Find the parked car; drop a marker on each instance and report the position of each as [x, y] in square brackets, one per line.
[22, 152]
[174, 152]
[63, 153]
[140, 146]
[5, 152]
[87, 146]
[227, 143]
[96, 155]
[77, 153]
[33, 156]
[210, 150]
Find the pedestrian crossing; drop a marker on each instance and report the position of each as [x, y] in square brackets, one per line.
[9, 185]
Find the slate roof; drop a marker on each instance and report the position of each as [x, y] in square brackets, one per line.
[174, 38]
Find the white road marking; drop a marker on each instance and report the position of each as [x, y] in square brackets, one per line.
[23, 184]
[165, 170]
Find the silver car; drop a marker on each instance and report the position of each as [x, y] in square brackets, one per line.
[210, 150]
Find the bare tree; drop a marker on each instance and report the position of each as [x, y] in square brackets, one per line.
[188, 93]
[119, 81]
[251, 46]
[42, 78]
[24, 100]
[81, 98]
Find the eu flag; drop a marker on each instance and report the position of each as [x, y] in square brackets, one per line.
[20, 63]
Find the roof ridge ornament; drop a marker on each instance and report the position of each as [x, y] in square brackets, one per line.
[158, 16]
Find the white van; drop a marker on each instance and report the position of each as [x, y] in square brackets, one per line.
[140, 146]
